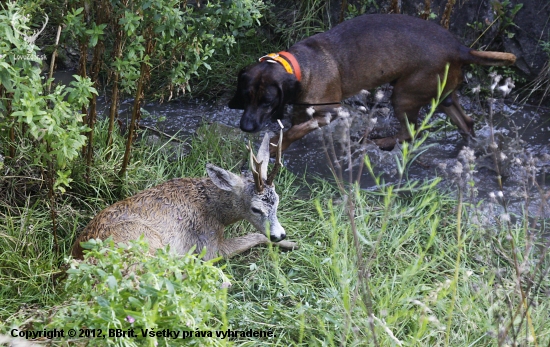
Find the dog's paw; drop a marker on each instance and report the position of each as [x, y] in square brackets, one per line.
[287, 245]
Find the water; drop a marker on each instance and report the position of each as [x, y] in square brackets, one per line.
[521, 132]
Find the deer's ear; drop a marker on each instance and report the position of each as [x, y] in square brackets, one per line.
[223, 179]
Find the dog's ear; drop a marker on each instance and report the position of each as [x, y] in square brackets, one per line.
[238, 102]
[292, 89]
[289, 90]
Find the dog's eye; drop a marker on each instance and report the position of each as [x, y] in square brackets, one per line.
[256, 210]
[270, 95]
[274, 101]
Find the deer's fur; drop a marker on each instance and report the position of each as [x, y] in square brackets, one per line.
[184, 212]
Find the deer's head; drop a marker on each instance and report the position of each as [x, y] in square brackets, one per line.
[257, 199]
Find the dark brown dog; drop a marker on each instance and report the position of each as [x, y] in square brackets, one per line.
[361, 53]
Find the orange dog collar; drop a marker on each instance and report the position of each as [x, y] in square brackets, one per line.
[287, 60]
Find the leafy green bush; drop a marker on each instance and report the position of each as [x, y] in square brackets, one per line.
[174, 38]
[127, 288]
[53, 121]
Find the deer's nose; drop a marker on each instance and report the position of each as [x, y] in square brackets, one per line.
[277, 239]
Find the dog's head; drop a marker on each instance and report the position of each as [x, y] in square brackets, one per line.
[263, 89]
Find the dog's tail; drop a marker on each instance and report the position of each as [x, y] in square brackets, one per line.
[489, 58]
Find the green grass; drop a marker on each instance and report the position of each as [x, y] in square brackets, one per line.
[426, 287]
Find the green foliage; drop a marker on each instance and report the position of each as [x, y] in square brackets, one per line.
[27, 260]
[74, 20]
[507, 71]
[356, 9]
[184, 36]
[545, 47]
[53, 120]
[304, 19]
[126, 288]
[506, 13]
[16, 55]
[435, 274]
[477, 26]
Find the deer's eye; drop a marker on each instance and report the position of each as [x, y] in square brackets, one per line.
[256, 210]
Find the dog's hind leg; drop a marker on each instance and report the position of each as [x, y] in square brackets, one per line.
[405, 108]
[454, 111]
[415, 91]
[451, 106]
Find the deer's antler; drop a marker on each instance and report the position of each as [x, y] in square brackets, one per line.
[278, 161]
[256, 168]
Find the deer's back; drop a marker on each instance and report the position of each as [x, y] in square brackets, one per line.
[174, 212]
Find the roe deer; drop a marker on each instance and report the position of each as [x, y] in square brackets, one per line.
[184, 212]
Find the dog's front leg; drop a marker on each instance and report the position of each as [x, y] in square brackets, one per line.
[298, 131]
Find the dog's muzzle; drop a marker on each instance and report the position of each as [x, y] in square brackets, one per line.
[249, 126]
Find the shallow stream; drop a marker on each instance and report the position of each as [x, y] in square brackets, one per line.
[522, 134]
